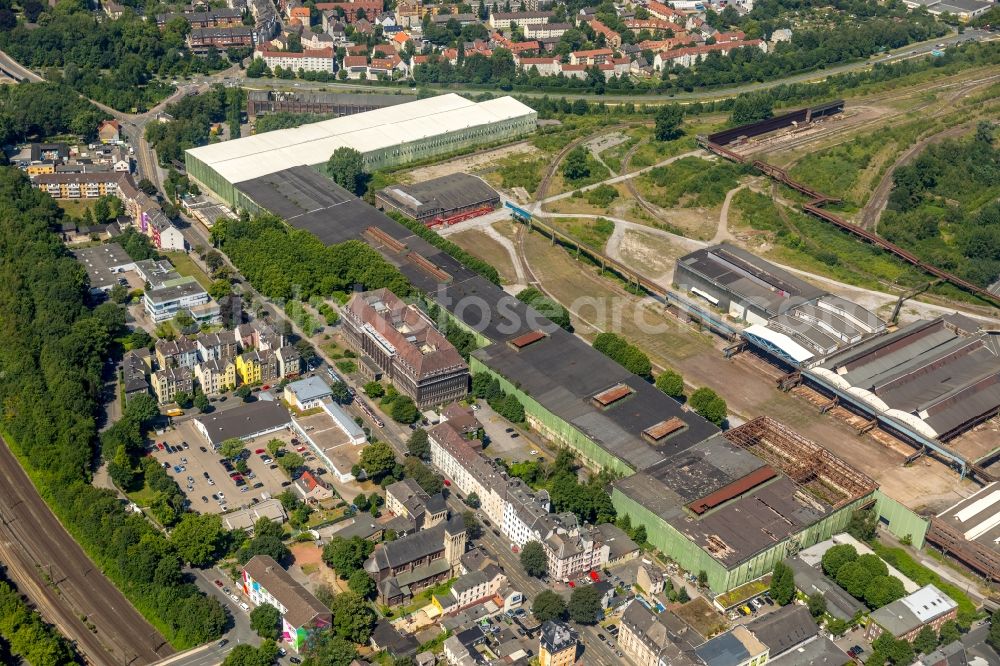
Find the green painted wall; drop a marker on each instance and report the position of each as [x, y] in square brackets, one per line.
[899, 520]
[555, 428]
[692, 557]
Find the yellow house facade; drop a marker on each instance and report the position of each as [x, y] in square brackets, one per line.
[248, 367]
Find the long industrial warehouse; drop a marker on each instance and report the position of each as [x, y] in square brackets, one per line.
[385, 137]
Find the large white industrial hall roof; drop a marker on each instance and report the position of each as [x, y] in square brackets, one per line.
[262, 154]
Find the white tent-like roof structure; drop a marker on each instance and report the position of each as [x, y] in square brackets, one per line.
[262, 154]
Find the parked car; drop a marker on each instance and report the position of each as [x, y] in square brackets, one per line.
[258, 485]
[177, 469]
[259, 451]
[203, 449]
[204, 499]
[218, 583]
[160, 446]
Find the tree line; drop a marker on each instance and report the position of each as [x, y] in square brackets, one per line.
[121, 62]
[26, 636]
[53, 356]
[33, 111]
[193, 117]
[936, 208]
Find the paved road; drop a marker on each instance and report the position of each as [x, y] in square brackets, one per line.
[35, 547]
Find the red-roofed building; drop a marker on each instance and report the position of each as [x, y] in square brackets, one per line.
[109, 131]
[386, 66]
[611, 38]
[371, 8]
[523, 47]
[662, 11]
[355, 66]
[383, 50]
[357, 49]
[545, 66]
[401, 342]
[691, 55]
[734, 36]
[301, 13]
[652, 24]
[591, 57]
[312, 488]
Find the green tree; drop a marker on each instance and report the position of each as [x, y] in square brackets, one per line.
[361, 584]
[472, 499]
[326, 648]
[854, 578]
[533, 559]
[863, 525]
[668, 121]
[816, 604]
[994, 636]
[708, 404]
[671, 383]
[418, 444]
[782, 584]
[198, 538]
[353, 618]
[425, 477]
[290, 462]
[202, 403]
[751, 107]
[119, 294]
[584, 604]
[926, 641]
[244, 392]
[377, 459]
[548, 605]
[374, 390]
[274, 445]
[404, 410]
[575, 166]
[345, 556]
[347, 168]
[232, 447]
[836, 557]
[882, 590]
[264, 620]
[949, 632]
[340, 392]
[219, 289]
[473, 530]
[183, 399]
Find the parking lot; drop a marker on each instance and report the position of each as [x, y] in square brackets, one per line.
[516, 445]
[208, 485]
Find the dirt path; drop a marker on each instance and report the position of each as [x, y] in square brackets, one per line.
[484, 224]
[623, 178]
[722, 233]
[872, 211]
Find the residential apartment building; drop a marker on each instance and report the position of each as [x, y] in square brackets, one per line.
[692, 55]
[402, 343]
[183, 294]
[556, 644]
[260, 336]
[407, 499]
[611, 38]
[591, 57]
[200, 40]
[521, 514]
[312, 60]
[216, 375]
[312, 488]
[470, 589]
[257, 367]
[223, 344]
[353, 8]
[289, 362]
[543, 30]
[179, 353]
[213, 18]
[135, 366]
[89, 185]
[645, 637]
[520, 19]
[167, 382]
[266, 582]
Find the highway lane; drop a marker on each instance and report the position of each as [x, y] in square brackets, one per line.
[36, 547]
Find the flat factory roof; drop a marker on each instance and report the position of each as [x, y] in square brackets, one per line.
[254, 156]
[447, 193]
[308, 200]
[748, 277]
[564, 375]
[104, 263]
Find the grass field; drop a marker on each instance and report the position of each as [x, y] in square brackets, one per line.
[810, 244]
[690, 182]
[479, 244]
[75, 207]
[186, 266]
